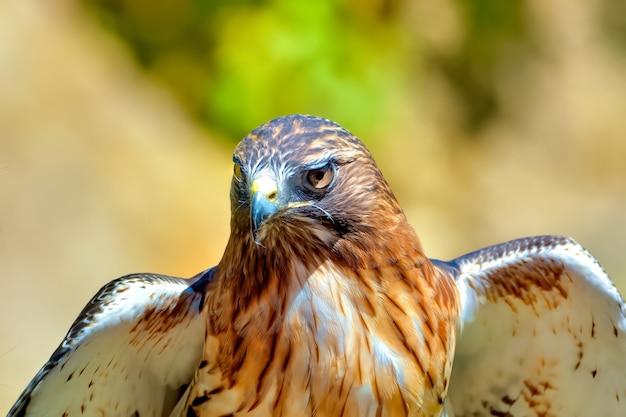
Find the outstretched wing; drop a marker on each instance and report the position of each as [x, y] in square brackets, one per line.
[131, 351]
[543, 333]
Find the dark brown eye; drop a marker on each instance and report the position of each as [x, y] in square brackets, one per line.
[320, 178]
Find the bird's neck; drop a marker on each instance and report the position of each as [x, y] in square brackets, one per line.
[260, 273]
[262, 278]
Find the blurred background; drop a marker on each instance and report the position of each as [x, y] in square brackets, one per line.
[491, 120]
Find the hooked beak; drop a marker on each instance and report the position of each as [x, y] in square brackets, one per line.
[263, 203]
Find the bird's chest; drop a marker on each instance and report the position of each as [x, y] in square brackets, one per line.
[329, 356]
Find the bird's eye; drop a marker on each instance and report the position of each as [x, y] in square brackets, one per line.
[320, 178]
[237, 171]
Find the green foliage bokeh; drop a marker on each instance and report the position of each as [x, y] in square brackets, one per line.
[236, 64]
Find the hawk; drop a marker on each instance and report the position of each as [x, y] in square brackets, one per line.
[324, 304]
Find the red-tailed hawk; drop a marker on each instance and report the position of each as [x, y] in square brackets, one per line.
[324, 304]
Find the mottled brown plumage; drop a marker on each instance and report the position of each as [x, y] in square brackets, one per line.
[325, 305]
[326, 311]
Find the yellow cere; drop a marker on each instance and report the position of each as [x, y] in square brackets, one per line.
[266, 185]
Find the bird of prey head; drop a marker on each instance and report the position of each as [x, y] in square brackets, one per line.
[309, 178]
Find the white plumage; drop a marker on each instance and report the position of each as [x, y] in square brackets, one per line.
[132, 348]
[543, 333]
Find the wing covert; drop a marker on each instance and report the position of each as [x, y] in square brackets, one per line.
[131, 351]
[542, 333]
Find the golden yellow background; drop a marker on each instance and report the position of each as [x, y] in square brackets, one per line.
[104, 172]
